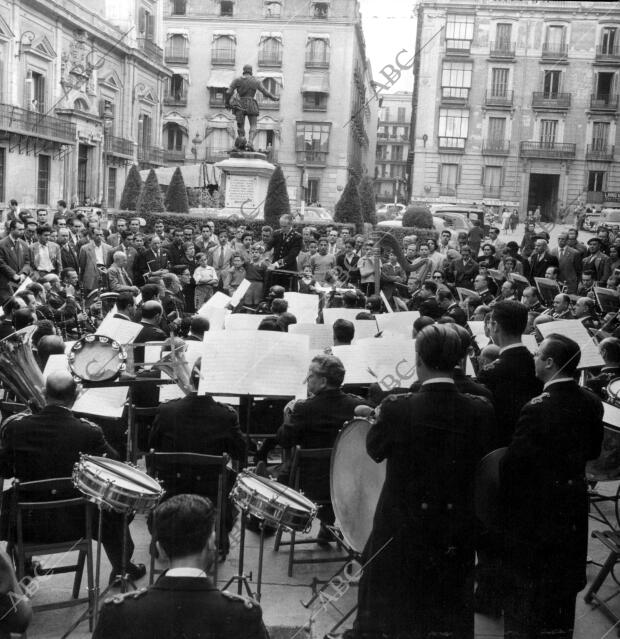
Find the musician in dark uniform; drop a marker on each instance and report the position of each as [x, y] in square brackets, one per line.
[184, 602]
[419, 559]
[544, 497]
[47, 444]
[286, 244]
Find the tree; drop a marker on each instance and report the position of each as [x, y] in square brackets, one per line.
[150, 200]
[131, 190]
[349, 208]
[418, 216]
[276, 202]
[176, 194]
[368, 202]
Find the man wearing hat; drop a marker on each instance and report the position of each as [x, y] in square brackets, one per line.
[240, 98]
[597, 262]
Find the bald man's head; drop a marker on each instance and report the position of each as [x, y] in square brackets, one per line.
[151, 309]
[60, 388]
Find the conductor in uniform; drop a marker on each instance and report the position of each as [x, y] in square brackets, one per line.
[286, 244]
[544, 497]
[418, 563]
[184, 602]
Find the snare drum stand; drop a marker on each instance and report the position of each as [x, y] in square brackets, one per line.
[241, 578]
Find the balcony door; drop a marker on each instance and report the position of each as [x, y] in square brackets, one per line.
[604, 86]
[551, 84]
[600, 135]
[503, 36]
[499, 83]
[608, 40]
[548, 132]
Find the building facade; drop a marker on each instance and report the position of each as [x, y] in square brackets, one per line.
[391, 179]
[310, 54]
[81, 84]
[516, 103]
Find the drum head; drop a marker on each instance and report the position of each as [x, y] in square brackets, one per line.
[356, 483]
[487, 488]
[271, 490]
[613, 391]
[96, 358]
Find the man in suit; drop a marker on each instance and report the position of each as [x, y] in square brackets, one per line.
[114, 239]
[47, 444]
[150, 319]
[176, 253]
[94, 257]
[198, 326]
[118, 278]
[220, 256]
[541, 259]
[347, 263]
[45, 256]
[569, 260]
[125, 307]
[597, 262]
[286, 244]
[420, 553]
[68, 254]
[126, 246]
[465, 269]
[544, 497]
[14, 260]
[153, 262]
[184, 602]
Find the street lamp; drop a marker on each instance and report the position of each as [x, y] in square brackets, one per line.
[108, 119]
[196, 142]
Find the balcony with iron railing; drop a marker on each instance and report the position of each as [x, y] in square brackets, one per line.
[175, 99]
[216, 155]
[314, 61]
[174, 155]
[447, 143]
[223, 58]
[174, 55]
[22, 121]
[498, 99]
[151, 155]
[550, 101]
[554, 50]
[150, 49]
[502, 49]
[608, 54]
[312, 158]
[600, 150]
[118, 146]
[604, 102]
[494, 146]
[547, 150]
[270, 58]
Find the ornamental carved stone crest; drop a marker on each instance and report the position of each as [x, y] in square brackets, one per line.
[77, 66]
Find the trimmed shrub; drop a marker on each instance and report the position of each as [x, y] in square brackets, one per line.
[276, 202]
[368, 201]
[176, 194]
[150, 197]
[131, 190]
[418, 216]
[349, 208]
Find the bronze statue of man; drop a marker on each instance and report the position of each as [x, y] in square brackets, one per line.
[240, 98]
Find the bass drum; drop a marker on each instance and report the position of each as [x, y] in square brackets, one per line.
[356, 484]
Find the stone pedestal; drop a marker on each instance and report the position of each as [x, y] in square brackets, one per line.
[245, 177]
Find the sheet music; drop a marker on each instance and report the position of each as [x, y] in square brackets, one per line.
[330, 315]
[215, 315]
[397, 323]
[355, 364]
[303, 306]
[590, 357]
[320, 335]
[123, 331]
[243, 321]
[476, 328]
[529, 341]
[242, 289]
[611, 416]
[364, 329]
[57, 362]
[217, 300]
[242, 363]
[104, 401]
[385, 302]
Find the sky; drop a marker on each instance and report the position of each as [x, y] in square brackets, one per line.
[389, 27]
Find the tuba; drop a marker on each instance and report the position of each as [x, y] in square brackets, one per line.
[19, 371]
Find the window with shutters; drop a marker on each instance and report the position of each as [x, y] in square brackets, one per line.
[313, 101]
[492, 180]
[314, 185]
[596, 180]
[459, 32]
[397, 153]
[111, 201]
[609, 41]
[320, 10]
[551, 84]
[175, 137]
[499, 82]
[456, 80]
[177, 51]
[402, 114]
[555, 40]
[218, 142]
[177, 90]
[317, 53]
[273, 86]
[43, 179]
[496, 135]
[548, 132]
[270, 52]
[35, 92]
[2, 174]
[448, 178]
[312, 142]
[453, 128]
[273, 9]
[226, 8]
[223, 50]
[503, 36]
[179, 7]
[600, 135]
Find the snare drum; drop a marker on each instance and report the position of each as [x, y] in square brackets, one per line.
[96, 358]
[116, 486]
[273, 502]
[613, 392]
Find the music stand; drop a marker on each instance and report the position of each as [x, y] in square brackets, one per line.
[607, 299]
[548, 289]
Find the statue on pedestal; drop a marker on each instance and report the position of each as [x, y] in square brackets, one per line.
[240, 98]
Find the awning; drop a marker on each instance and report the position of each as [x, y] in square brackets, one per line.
[278, 77]
[183, 127]
[271, 35]
[221, 78]
[224, 34]
[315, 82]
[318, 36]
[172, 32]
[184, 72]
